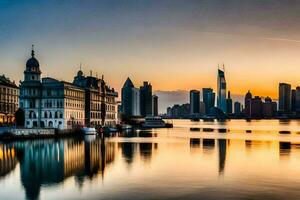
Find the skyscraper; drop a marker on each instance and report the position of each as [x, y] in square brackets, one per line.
[297, 99]
[248, 99]
[194, 102]
[208, 99]
[221, 99]
[229, 104]
[285, 97]
[256, 107]
[293, 100]
[146, 99]
[155, 105]
[237, 108]
[130, 99]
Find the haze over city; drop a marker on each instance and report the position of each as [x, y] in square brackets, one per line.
[176, 45]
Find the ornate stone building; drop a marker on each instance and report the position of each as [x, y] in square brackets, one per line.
[48, 102]
[100, 100]
[9, 101]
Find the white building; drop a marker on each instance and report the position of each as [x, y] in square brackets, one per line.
[49, 102]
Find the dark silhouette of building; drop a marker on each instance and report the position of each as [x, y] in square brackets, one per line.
[293, 100]
[229, 104]
[269, 108]
[194, 102]
[297, 99]
[285, 98]
[179, 111]
[248, 99]
[155, 105]
[256, 107]
[221, 98]
[237, 108]
[146, 99]
[208, 99]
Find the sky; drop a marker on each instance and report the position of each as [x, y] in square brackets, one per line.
[174, 44]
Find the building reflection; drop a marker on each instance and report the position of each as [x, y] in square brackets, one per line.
[128, 151]
[8, 160]
[222, 144]
[284, 149]
[208, 145]
[194, 142]
[48, 162]
[146, 150]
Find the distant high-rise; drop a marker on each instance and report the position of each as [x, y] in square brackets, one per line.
[237, 108]
[229, 104]
[285, 100]
[248, 99]
[194, 102]
[155, 105]
[130, 99]
[208, 99]
[269, 108]
[293, 100]
[221, 98]
[146, 99]
[256, 107]
[298, 99]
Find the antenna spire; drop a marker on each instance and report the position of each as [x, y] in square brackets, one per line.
[32, 50]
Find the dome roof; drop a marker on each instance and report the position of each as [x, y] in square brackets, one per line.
[79, 73]
[32, 63]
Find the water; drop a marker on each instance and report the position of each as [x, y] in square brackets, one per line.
[194, 160]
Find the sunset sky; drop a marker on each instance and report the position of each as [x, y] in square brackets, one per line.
[176, 45]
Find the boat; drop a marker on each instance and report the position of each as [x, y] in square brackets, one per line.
[154, 122]
[89, 131]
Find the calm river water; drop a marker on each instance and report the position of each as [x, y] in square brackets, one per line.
[236, 159]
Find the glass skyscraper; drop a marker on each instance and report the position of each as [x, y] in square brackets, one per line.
[221, 98]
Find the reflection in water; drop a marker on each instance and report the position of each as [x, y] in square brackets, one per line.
[47, 162]
[133, 166]
[128, 151]
[8, 160]
[222, 154]
[146, 151]
[284, 149]
[195, 142]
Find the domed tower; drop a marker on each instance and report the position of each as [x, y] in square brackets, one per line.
[32, 71]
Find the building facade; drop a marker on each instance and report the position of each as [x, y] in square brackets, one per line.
[237, 108]
[194, 102]
[100, 100]
[155, 105]
[9, 101]
[208, 99]
[146, 99]
[285, 101]
[229, 104]
[130, 99]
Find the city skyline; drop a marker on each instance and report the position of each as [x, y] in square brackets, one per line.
[151, 39]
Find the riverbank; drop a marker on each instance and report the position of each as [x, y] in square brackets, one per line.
[12, 133]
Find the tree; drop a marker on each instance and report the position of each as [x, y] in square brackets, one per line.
[20, 117]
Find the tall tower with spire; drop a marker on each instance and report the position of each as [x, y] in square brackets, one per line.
[32, 71]
[221, 98]
[30, 92]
